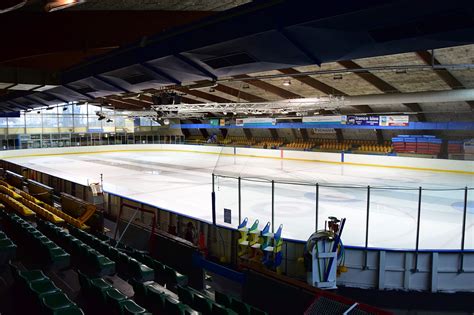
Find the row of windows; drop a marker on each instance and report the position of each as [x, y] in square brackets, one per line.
[73, 116]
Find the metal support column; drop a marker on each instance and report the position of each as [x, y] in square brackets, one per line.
[463, 236]
[273, 206]
[240, 199]
[418, 230]
[213, 196]
[367, 229]
[317, 207]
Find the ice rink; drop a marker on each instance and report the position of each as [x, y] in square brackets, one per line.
[182, 182]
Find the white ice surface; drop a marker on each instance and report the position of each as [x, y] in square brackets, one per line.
[181, 182]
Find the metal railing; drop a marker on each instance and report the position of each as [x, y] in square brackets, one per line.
[428, 217]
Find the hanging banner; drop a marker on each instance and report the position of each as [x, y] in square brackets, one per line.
[401, 121]
[360, 120]
[255, 121]
[322, 119]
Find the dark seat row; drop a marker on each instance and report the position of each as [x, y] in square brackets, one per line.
[108, 297]
[164, 274]
[40, 293]
[84, 257]
[127, 266]
[237, 305]
[159, 300]
[7, 250]
[35, 243]
[201, 303]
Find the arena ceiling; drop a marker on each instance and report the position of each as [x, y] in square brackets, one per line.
[287, 66]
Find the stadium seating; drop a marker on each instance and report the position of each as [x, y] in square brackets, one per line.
[39, 247]
[127, 267]
[301, 144]
[44, 295]
[7, 249]
[83, 256]
[107, 296]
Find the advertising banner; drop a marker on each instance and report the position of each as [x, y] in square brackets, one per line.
[401, 121]
[322, 119]
[256, 121]
[361, 120]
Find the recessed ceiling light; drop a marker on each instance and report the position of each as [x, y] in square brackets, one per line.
[287, 83]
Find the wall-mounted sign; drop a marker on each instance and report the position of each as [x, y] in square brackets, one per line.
[214, 122]
[227, 216]
[360, 120]
[401, 120]
[322, 119]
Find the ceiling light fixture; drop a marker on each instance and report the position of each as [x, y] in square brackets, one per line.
[246, 86]
[287, 83]
[56, 5]
[166, 121]
[337, 77]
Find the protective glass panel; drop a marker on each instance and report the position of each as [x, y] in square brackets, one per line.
[392, 218]
[227, 199]
[295, 209]
[441, 219]
[256, 201]
[349, 203]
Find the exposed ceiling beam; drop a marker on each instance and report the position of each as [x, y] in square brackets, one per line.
[443, 74]
[269, 87]
[323, 87]
[207, 96]
[381, 85]
[239, 94]
[124, 104]
[133, 102]
[312, 82]
[369, 77]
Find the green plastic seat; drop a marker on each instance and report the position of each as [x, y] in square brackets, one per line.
[113, 297]
[222, 299]
[99, 287]
[185, 295]
[202, 304]
[31, 275]
[256, 311]
[174, 278]
[71, 310]
[140, 271]
[130, 307]
[84, 281]
[102, 265]
[155, 300]
[173, 306]
[41, 287]
[56, 301]
[218, 309]
[7, 246]
[139, 289]
[240, 307]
